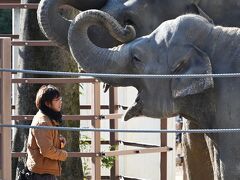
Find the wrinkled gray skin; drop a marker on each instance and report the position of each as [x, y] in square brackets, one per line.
[144, 15]
[188, 44]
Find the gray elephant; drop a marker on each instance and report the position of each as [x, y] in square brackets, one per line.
[144, 15]
[188, 44]
[134, 12]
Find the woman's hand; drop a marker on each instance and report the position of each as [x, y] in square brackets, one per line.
[63, 141]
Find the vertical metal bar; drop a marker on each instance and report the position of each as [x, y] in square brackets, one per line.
[96, 145]
[1, 147]
[113, 101]
[163, 162]
[5, 60]
[1, 121]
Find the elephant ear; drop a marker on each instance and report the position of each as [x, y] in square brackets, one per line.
[191, 61]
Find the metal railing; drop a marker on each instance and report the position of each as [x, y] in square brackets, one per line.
[96, 153]
[95, 119]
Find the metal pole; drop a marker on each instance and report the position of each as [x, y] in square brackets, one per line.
[5, 109]
[163, 162]
[96, 142]
[113, 101]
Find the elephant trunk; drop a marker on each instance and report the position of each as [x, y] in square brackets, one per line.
[53, 25]
[96, 59]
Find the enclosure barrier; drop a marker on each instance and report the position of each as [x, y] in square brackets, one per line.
[5, 109]
[5, 114]
[77, 117]
[101, 75]
[5, 133]
[87, 129]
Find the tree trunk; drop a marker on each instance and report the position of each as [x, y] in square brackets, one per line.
[52, 59]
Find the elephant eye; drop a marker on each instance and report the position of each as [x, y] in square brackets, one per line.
[138, 64]
[135, 59]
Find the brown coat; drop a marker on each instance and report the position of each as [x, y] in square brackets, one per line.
[43, 147]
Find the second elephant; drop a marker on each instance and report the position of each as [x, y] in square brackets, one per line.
[188, 44]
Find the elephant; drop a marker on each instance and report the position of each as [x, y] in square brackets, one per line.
[188, 44]
[133, 12]
[55, 27]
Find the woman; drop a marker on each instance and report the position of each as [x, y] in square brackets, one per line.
[44, 147]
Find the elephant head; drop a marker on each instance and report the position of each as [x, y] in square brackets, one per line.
[144, 15]
[157, 53]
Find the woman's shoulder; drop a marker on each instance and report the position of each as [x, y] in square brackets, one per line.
[41, 119]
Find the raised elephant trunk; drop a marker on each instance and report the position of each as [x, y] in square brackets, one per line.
[93, 58]
[53, 25]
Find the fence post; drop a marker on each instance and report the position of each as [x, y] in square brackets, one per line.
[113, 101]
[5, 109]
[96, 142]
[163, 161]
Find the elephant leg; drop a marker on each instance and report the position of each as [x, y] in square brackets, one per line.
[197, 159]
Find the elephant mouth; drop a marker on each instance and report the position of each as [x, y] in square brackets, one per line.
[136, 109]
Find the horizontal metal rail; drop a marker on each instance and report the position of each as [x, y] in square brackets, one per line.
[102, 106]
[106, 154]
[87, 129]
[70, 154]
[98, 75]
[127, 143]
[72, 117]
[13, 36]
[90, 107]
[129, 178]
[32, 43]
[117, 177]
[65, 117]
[136, 151]
[18, 5]
[102, 177]
[82, 154]
[102, 142]
[111, 116]
[53, 80]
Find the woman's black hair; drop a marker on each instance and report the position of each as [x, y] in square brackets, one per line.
[46, 94]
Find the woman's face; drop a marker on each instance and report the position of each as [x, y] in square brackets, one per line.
[56, 104]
